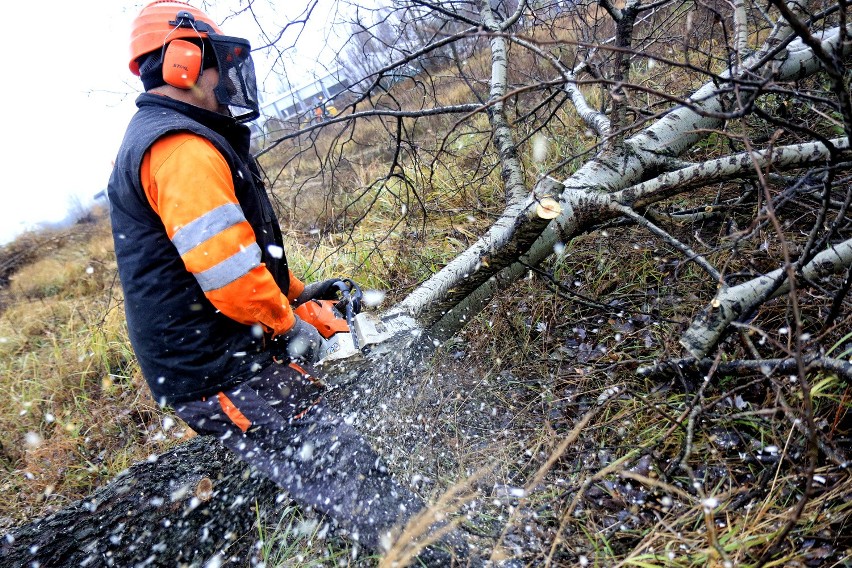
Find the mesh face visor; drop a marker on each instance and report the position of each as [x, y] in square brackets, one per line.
[237, 86]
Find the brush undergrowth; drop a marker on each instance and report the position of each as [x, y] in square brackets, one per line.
[676, 472]
[679, 472]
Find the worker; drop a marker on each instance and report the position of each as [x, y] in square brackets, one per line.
[208, 293]
[319, 109]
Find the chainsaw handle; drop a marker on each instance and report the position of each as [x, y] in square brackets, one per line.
[350, 303]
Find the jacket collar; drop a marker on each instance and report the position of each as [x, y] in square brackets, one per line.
[238, 135]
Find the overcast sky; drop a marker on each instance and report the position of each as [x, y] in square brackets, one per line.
[69, 96]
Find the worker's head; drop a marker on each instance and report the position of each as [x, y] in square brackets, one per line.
[173, 43]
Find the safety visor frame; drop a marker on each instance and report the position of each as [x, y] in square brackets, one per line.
[237, 86]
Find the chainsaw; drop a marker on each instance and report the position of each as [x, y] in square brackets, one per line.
[347, 331]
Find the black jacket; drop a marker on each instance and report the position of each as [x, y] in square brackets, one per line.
[186, 349]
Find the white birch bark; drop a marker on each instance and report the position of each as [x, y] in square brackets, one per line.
[592, 117]
[511, 171]
[740, 30]
[729, 167]
[523, 215]
[734, 301]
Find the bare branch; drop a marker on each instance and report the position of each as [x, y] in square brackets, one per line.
[687, 252]
[721, 169]
[585, 195]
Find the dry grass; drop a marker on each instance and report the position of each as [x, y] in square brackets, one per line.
[74, 410]
[587, 464]
[651, 481]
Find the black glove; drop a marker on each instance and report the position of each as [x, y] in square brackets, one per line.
[322, 290]
[302, 341]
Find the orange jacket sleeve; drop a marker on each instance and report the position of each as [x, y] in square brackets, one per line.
[189, 185]
[296, 287]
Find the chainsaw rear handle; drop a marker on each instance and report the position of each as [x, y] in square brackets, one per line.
[323, 315]
[334, 317]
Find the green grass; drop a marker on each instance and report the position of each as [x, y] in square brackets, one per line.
[73, 412]
[292, 540]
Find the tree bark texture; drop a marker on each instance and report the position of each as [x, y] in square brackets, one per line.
[735, 301]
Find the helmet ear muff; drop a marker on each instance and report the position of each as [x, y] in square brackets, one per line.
[182, 62]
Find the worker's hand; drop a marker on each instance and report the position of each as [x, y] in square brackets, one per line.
[302, 342]
[322, 290]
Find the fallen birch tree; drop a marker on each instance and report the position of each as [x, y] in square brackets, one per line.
[613, 184]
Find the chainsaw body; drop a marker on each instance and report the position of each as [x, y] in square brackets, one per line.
[345, 330]
[324, 315]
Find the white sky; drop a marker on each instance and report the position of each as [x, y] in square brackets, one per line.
[69, 95]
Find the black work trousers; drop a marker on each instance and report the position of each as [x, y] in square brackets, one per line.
[277, 422]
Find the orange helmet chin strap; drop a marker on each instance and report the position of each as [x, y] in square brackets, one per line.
[182, 62]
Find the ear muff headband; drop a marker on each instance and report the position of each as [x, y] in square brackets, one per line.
[182, 63]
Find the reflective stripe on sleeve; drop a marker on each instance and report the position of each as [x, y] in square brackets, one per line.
[230, 269]
[207, 226]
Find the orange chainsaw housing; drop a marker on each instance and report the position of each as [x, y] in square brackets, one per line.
[322, 315]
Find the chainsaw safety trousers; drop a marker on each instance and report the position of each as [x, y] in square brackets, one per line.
[276, 423]
[200, 254]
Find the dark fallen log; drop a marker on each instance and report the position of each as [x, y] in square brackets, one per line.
[180, 509]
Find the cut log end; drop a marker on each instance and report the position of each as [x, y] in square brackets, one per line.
[548, 208]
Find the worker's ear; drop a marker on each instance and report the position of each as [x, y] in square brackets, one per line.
[182, 64]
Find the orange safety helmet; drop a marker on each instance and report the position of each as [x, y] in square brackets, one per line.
[156, 23]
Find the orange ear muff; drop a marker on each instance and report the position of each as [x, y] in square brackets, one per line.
[182, 64]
